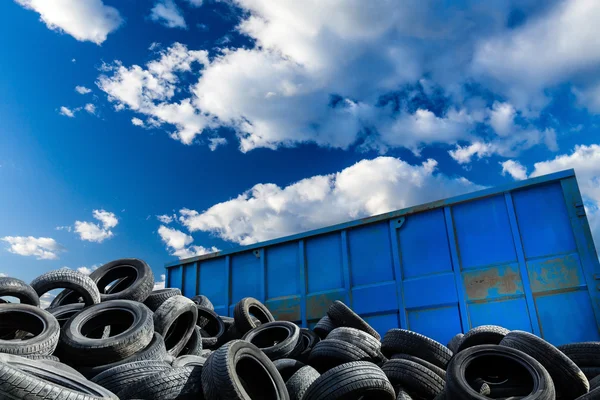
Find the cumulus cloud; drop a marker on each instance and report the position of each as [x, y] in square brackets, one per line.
[42, 248]
[94, 232]
[46, 299]
[137, 122]
[216, 142]
[67, 112]
[3, 275]
[367, 188]
[85, 20]
[82, 90]
[90, 108]
[514, 169]
[165, 219]
[88, 270]
[168, 14]
[179, 243]
[67, 228]
[160, 284]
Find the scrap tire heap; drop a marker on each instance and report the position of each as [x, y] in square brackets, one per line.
[109, 336]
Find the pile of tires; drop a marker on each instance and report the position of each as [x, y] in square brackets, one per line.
[110, 336]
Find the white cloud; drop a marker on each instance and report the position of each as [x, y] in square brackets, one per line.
[160, 284]
[464, 154]
[90, 108]
[88, 270]
[168, 14]
[165, 219]
[137, 122]
[82, 90]
[3, 275]
[42, 248]
[94, 232]
[514, 169]
[367, 188]
[85, 20]
[67, 112]
[46, 299]
[179, 243]
[73, 60]
[195, 3]
[216, 142]
[64, 228]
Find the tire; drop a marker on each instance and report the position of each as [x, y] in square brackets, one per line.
[331, 353]
[351, 381]
[82, 284]
[66, 312]
[131, 336]
[592, 395]
[484, 334]
[455, 342]
[203, 301]
[189, 361]
[360, 339]
[324, 326]
[417, 380]
[300, 381]
[594, 383]
[174, 383]
[584, 354]
[590, 372]
[277, 339]
[42, 357]
[136, 287]
[32, 319]
[568, 379]
[117, 378]
[309, 339]
[245, 309]
[402, 395]
[177, 309]
[287, 367]
[21, 378]
[19, 289]
[157, 297]
[437, 370]
[407, 342]
[227, 321]
[239, 370]
[342, 315]
[63, 367]
[193, 346]
[212, 328]
[155, 351]
[506, 363]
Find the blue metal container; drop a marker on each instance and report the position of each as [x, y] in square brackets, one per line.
[520, 256]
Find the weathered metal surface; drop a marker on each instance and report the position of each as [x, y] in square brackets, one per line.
[493, 282]
[555, 273]
[317, 304]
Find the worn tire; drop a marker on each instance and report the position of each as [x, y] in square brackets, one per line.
[300, 381]
[19, 289]
[21, 378]
[594, 382]
[360, 339]
[330, 353]
[568, 379]
[82, 284]
[212, 328]
[117, 378]
[403, 395]
[138, 283]
[157, 297]
[324, 326]
[277, 339]
[342, 315]
[470, 362]
[287, 367]
[194, 344]
[32, 319]
[351, 381]
[132, 336]
[245, 309]
[239, 370]
[180, 314]
[203, 301]
[66, 312]
[584, 354]
[455, 342]
[309, 339]
[437, 370]
[416, 379]
[592, 395]
[407, 342]
[484, 334]
[174, 383]
[189, 361]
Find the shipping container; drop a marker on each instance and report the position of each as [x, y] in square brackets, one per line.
[521, 256]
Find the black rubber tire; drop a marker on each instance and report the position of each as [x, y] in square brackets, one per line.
[66, 312]
[82, 284]
[457, 386]
[63, 367]
[437, 370]
[17, 288]
[402, 395]
[568, 379]
[351, 381]
[287, 367]
[309, 339]
[137, 286]
[28, 318]
[129, 337]
[455, 342]
[117, 378]
[228, 321]
[157, 297]
[331, 353]
[193, 346]
[203, 301]
[590, 372]
[155, 351]
[594, 382]
[407, 342]
[300, 381]
[239, 370]
[584, 354]
[182, 383]
[212, 328]
[21, 378]
[42, 357]
[484, 334]
[276, 339]
[189, 361]
[360, 339]
[177, 309]
[324, 326]
[342, 315]
[592, 395]
[416, 379]
[245, 309]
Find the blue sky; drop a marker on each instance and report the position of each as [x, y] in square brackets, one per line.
[162, 129]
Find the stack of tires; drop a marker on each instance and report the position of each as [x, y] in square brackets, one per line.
[110, 336]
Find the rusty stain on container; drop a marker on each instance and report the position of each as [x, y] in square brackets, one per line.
[492, 282]
[286, 310]
[555, 273]
[317, 305]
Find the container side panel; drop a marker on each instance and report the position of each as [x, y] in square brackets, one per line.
[493, 282]
[175, 277]
[190, 279]
[567, 317]
[378, 298]
[509, 313]
[213, 281]
[324, 263]
[438, 323]
[283, 272]
[383, 323]
[370, 254]
[483, 233]
[424, 245]
[246, 276]
[430, 291]
[555, 273]
[543, 221]
[285, 309]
